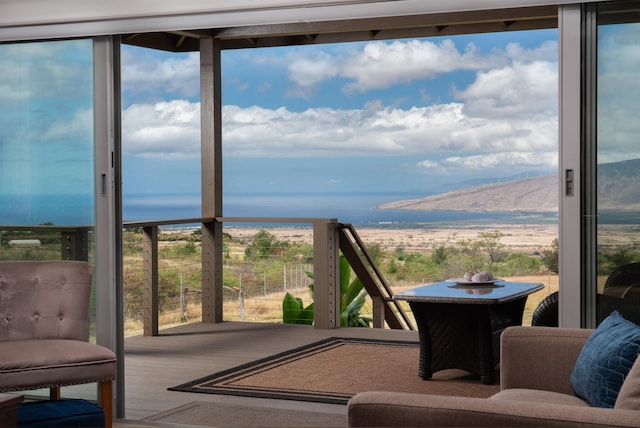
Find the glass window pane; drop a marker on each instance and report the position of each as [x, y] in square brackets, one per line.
[618, 160]
[46, 133]
[46, 156]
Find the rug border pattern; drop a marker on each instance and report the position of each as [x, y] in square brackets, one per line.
[214, 383]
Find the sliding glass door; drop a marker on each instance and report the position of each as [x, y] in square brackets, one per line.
[48, 158]
[612, 155]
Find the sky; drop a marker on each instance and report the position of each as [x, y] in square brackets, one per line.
[618, 92]
[397, 116]
[48, 104]
[407, 116]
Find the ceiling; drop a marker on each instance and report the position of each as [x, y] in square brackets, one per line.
[350, 30]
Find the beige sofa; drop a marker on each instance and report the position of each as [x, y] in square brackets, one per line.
[535, 391]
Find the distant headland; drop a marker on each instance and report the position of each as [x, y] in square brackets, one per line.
[538, 194]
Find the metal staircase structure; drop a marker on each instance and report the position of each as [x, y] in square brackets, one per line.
[385, 309]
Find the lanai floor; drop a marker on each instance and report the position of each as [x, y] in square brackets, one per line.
[188, 352]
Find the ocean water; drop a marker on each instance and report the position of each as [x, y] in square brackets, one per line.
[59, 209]
[357, 209]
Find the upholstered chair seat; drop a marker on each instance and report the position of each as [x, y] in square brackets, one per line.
[44, 330]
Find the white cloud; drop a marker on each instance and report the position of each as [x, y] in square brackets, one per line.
[143, 72]
[618, 93]
[171, 130]
[80, 125]
[383, 64]
[312, 68]
[507, 113]
[518, 90]
[427, 164]
[379, 64]
[11, 92]
[547, 52]
[45, 69]
[502, 160]
[165, 130]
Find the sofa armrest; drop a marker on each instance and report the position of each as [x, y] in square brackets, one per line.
[540, 357]
[396, 409]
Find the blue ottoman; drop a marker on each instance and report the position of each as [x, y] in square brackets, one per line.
[60, 413]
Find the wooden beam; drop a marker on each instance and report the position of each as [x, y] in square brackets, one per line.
[211, 180]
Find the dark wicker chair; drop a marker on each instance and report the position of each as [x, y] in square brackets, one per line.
[546, 313]
[622, 293]
[624, 281]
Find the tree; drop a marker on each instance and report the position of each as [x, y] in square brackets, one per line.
[440, 255]
[517, 264]
[468, 258]
[264, 245]
[550, 257]
[393, 267]
[374, 249]
[490, 243]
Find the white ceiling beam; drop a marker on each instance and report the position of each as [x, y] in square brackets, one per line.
[43, 19]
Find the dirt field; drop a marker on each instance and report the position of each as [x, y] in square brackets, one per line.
[525, 238]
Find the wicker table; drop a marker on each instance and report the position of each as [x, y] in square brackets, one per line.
[460, 325]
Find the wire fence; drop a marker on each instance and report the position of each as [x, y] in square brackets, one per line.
[253, 290]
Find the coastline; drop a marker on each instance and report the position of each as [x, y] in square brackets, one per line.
[517, 237]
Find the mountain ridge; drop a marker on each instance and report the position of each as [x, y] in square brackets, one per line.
[618, 189]
[538, 194]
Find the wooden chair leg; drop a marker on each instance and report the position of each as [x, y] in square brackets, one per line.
[9, 404]
[54, 393]
[106, 401]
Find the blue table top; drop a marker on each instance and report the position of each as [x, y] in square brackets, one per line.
[452, 292]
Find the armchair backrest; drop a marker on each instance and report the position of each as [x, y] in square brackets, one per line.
[44, 300]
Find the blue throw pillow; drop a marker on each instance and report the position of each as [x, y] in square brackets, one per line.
[605, 361]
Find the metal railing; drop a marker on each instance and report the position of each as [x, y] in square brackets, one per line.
[74, 240]
[326, 277]
[75, 245]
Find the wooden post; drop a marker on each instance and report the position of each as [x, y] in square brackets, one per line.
[212, 290]
[211, 180]
[378, 311]
[326, 275]
[150, 280]
[75, 244]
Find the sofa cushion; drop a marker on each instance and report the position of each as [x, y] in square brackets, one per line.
[605, 361]
[629, 396]
[539, 396]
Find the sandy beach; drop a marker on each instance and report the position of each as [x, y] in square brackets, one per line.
[521, 237]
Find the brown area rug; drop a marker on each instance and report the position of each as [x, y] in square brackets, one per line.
[334, 370]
